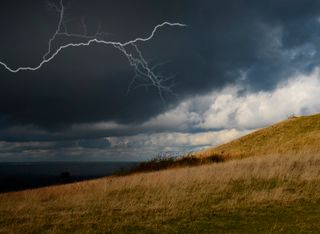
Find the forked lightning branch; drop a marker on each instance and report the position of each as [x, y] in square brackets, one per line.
[144, 73]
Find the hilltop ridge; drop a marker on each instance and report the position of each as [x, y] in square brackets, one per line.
[294, 135]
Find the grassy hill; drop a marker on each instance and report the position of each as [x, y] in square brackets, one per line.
[260, 194]
[297, 134]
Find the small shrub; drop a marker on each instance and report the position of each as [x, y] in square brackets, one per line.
[166, 161]
[216, 158]
[293, 116]
[65, 175]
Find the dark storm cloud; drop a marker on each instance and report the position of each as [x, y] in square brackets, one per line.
[257, 42]
[40, 147]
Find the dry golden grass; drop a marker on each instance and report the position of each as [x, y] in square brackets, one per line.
[259, 194]
[293, 135]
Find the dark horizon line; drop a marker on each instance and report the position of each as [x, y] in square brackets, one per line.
[69, 161]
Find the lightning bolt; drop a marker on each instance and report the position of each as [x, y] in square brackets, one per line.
[142, 69]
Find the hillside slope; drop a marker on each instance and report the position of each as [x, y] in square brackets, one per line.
[277, 193]
[268, 194]
[298, 134]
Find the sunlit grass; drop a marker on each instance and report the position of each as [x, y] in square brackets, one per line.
[268, 194]
[296, 135]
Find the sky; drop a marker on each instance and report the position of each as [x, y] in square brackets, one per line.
[239, 65]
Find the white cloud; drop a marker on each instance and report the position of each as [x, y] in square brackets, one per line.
[198, 122]
[225, 115]
[174, 141]
[300, 96]
[226, 109]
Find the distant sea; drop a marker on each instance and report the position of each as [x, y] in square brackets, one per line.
[25, 175]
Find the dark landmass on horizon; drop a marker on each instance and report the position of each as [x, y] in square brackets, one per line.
[15, 176]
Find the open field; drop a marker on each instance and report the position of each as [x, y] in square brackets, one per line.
[270, 194]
